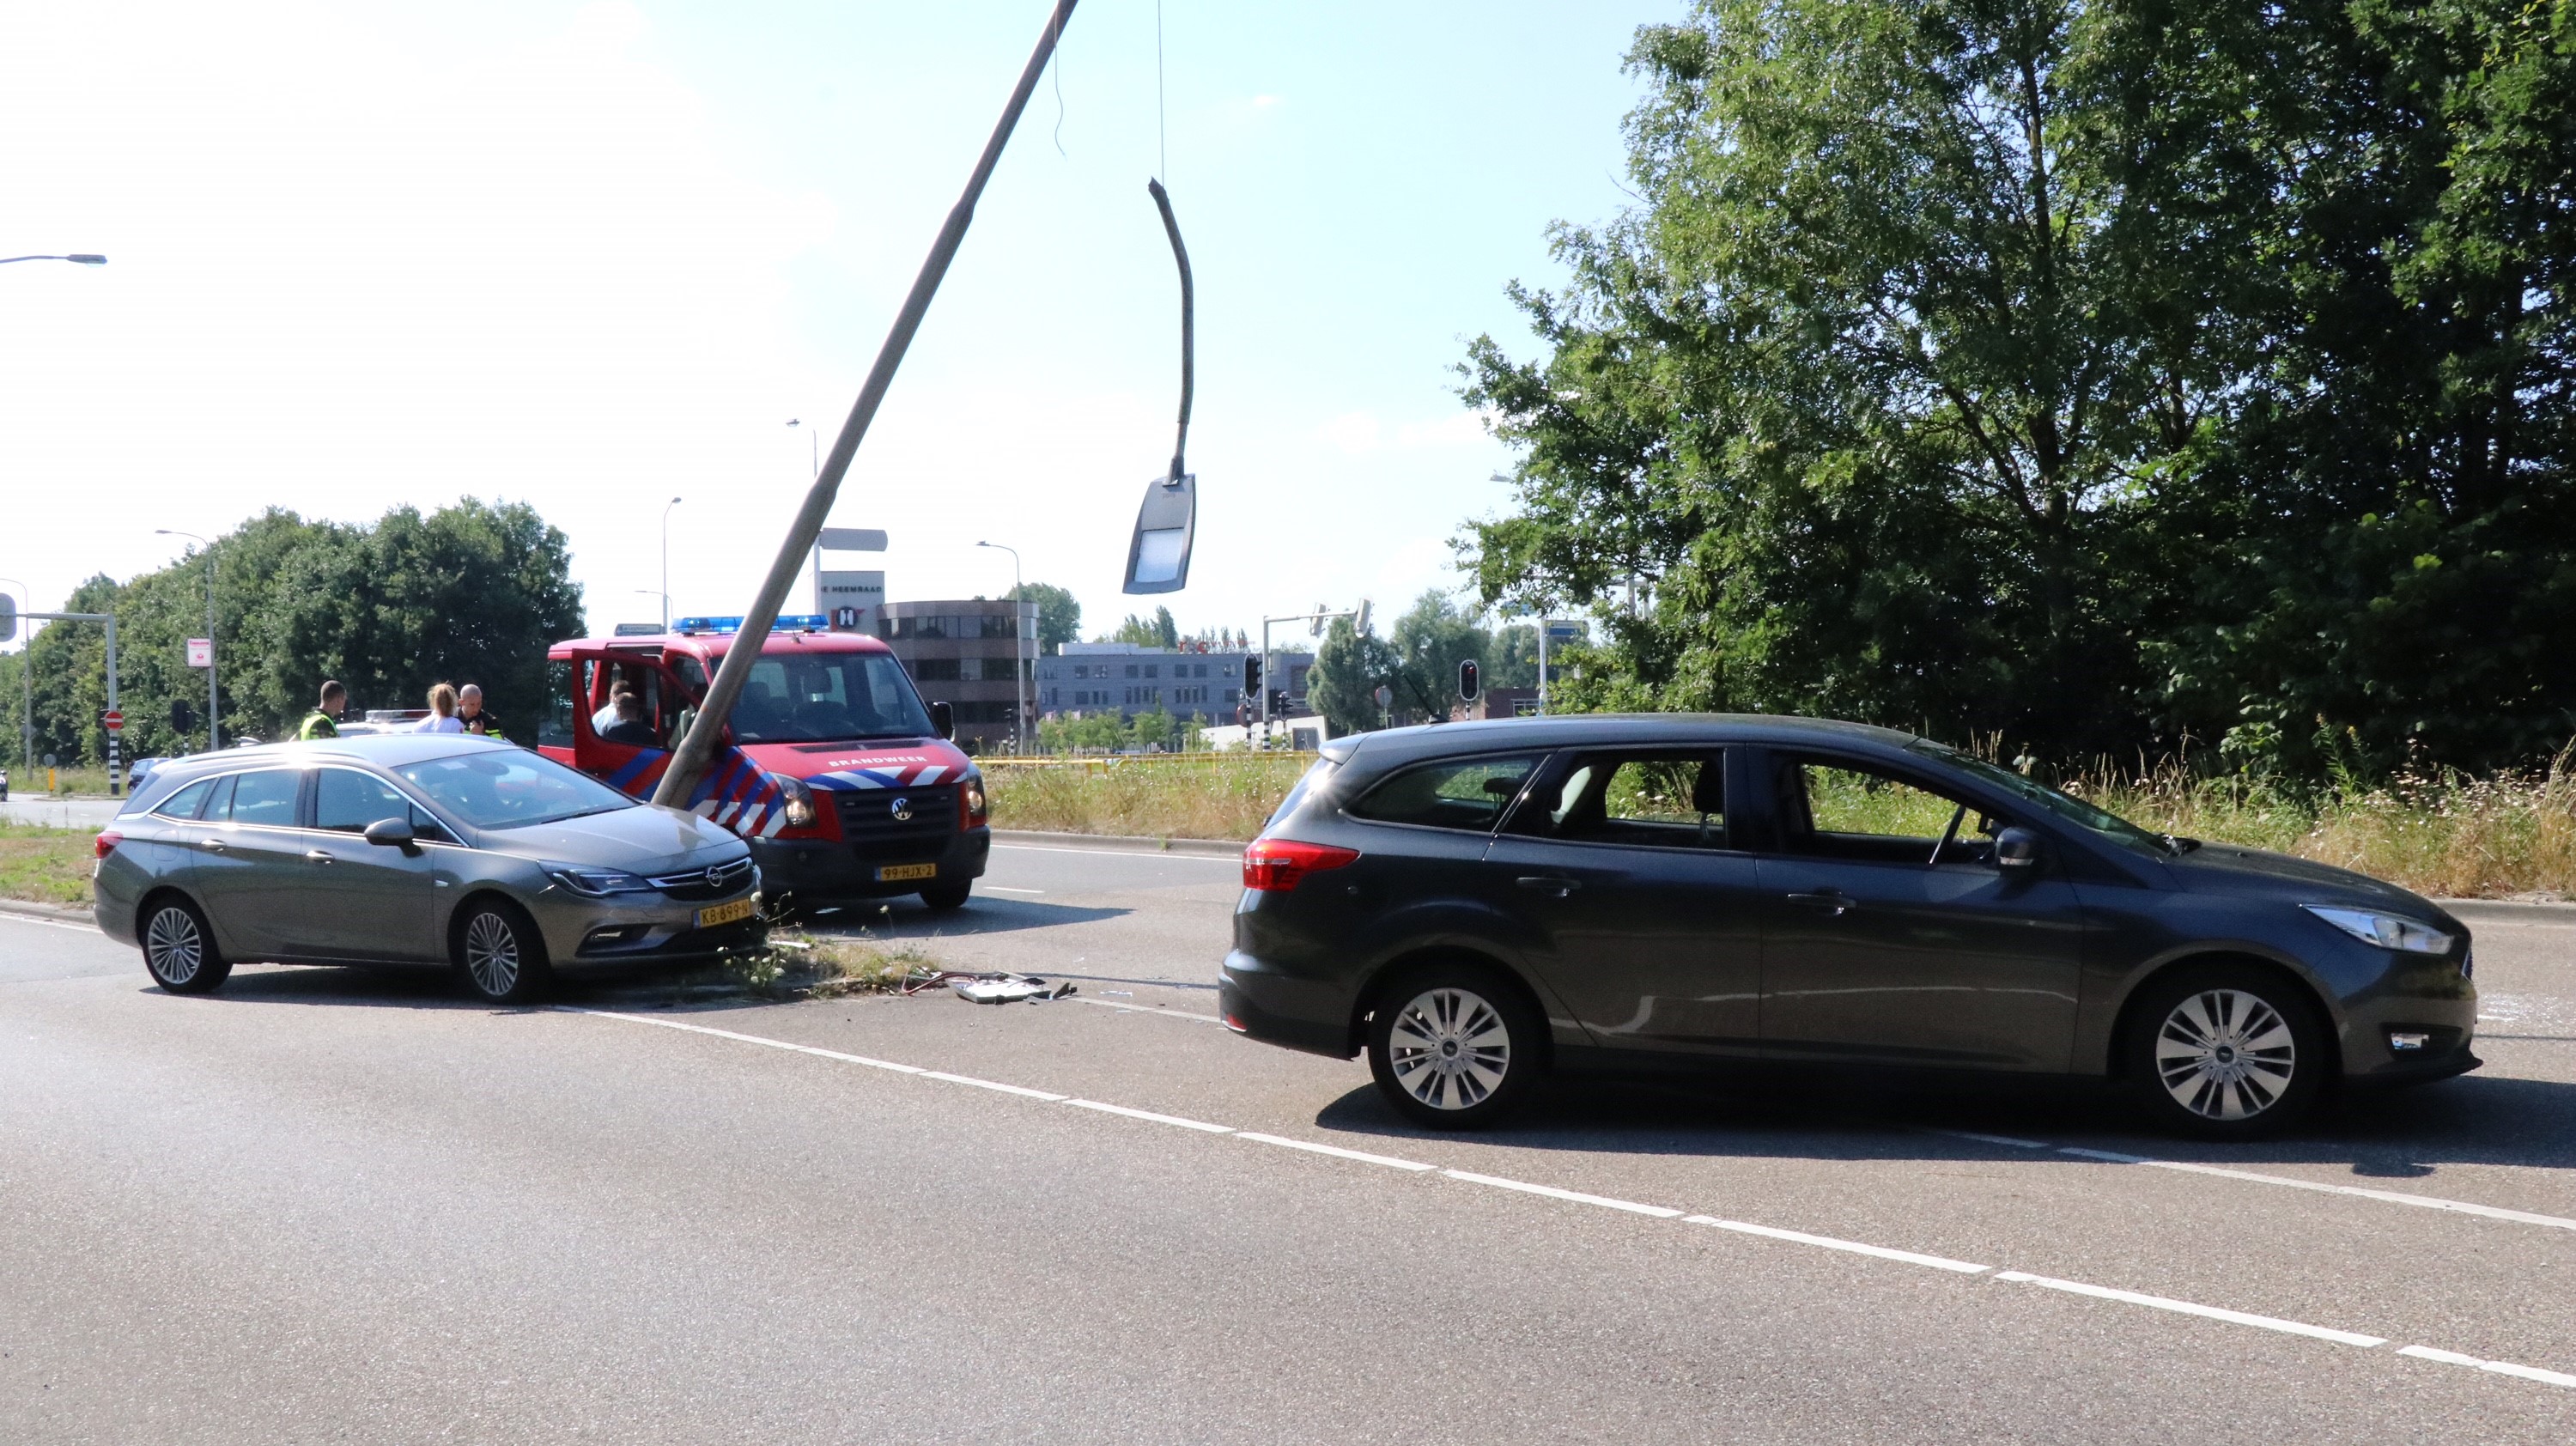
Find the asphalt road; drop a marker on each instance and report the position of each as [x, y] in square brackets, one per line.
[341, 1206]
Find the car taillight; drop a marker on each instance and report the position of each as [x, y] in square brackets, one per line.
[1274, 865]
[973, 808]
[107, 842]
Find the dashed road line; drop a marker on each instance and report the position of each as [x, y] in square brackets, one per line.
[1662, 1212]
[1139, 1009]
[2392, 1197]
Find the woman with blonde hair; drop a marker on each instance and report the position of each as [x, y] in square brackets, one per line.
[442, 712]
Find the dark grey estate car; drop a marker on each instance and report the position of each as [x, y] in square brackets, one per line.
[413, 848]
[1477, 903]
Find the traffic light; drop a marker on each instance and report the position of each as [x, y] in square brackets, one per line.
[1251, 676]
[1469, 685]
[1278, 702]
[182, 718]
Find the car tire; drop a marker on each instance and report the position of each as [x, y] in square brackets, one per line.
[1453, 1046]
[2227, 1051]
[499, 954]
[179, 950]
[943, 897]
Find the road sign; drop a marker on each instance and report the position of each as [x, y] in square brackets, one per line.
[201, 652]
[1564, 630]
[1385, 695]
[113, 718]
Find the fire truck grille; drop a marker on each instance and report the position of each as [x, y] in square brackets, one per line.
[875, 833]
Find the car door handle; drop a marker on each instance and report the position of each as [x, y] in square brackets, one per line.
[1830, 899]
[213, 845]
[317, 856]
[1550, 883]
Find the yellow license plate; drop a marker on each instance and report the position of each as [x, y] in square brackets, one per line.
[891, 872]
[724, 913]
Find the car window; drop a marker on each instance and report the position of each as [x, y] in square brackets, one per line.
[1466, 793]
[266, 798]
[813, 696]
[2073, 810]
[1661, 799]
[346, 800]
[1318, 774]
[1842, 809]
[509, 788]
[185, 803]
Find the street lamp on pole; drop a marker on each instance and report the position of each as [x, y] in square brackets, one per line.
[27, 677]
[77, 258]
[666, 562]
[1021, 665]
[214, 728]
[813, 444]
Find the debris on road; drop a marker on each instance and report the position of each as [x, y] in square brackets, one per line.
[989, 987]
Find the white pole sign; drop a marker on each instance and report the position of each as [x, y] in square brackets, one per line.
[201, 652]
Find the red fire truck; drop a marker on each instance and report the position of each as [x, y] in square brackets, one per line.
[842, 780]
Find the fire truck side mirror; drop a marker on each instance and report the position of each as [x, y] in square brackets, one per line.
[943, 720]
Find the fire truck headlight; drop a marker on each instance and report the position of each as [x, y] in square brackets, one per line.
[800, 802]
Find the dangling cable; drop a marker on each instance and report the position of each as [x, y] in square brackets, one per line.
[1056, 63]
[1162, 134]
[1172, 228]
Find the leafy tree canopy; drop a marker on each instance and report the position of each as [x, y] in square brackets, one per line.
[1059, 616]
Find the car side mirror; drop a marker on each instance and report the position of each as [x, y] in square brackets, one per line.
[943, 720]
[390, 833]
[2017, 851]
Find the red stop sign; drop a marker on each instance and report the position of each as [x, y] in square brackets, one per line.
[114, 718]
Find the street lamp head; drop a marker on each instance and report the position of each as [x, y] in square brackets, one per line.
[86, 259]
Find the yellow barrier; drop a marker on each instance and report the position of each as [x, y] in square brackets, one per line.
[1099, 761]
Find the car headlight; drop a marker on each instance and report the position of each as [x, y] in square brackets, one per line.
[2388, 931]
[596, 883]
[800, 802]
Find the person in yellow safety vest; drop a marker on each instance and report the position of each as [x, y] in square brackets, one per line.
[323, 722]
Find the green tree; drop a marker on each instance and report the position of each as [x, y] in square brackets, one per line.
[2099, 375]
[1059, 616]
[1158, 631]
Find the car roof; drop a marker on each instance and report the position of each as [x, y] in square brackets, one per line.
[383, 750]
[1578, 730]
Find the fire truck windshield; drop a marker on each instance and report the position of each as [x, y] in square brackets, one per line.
[818, 697]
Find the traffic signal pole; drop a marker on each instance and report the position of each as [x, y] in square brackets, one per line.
[689, 763]
[115, 781]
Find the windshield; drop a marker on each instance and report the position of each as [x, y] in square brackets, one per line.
[2073, 810]
[812, 697]
[509, 788]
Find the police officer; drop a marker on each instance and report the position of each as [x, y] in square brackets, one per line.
[323, 722]
[470, 712]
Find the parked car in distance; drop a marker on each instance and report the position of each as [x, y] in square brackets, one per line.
[139, 770]
[1475, 904]
[418, 848]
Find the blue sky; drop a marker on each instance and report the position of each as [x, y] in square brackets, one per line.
[591, 256]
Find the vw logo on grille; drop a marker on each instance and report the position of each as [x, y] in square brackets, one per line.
[903, 810]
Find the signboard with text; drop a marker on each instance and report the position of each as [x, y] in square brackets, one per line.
[201, 652]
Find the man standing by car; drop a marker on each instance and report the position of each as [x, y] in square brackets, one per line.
[469, 711]
[323, 722]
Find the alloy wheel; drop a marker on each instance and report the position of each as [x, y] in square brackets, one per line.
[2225, 1054]
[173, 946]
[1450, 1048]
[492, 954]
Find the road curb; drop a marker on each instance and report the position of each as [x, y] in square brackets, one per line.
[59, 913]
[1212, 848]
[2510, 911]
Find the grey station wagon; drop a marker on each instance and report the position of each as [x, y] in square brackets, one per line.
[439, 849]
[1478, 903]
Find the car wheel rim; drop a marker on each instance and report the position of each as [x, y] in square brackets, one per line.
[2224, 1054]
[1449, 1049]
[173, 947]
[492, 954]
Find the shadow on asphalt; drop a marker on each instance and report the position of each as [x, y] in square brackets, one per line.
[2394, 1135]
[909, 919]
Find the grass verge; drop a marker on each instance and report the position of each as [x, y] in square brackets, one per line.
[1207, 795]
[46, 865]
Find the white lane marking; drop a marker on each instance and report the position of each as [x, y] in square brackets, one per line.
[1150, 1115]
[2501, 1368]
[751, 1039]
[1004, 889]
[2393, 1197]
[2019, 1277]
[2184, 1307]
[1578, 1197]
[50, 923]
[1229, 860]
[1990, 1139]
[1138, 1009]
[1336, 1151]
[1909, 1257]
[986, 1084]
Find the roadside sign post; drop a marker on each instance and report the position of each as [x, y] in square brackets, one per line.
[689, 763]
[1563, 630]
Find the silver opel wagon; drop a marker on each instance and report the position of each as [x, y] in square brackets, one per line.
[430, 849]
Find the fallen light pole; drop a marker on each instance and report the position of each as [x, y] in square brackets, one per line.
[689, 763]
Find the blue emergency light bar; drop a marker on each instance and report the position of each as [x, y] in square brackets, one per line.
[725, 627]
